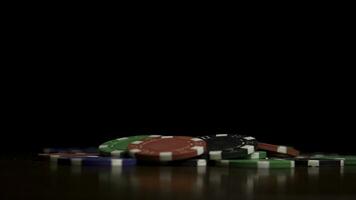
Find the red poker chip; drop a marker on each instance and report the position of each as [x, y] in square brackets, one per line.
[277, 149]
[167, 148]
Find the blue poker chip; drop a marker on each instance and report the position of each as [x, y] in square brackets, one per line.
[70, 150]
[95, 161]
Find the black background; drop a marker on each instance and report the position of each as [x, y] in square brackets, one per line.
[177, 87]
[53, 111]
[60, 114]
[69, 129]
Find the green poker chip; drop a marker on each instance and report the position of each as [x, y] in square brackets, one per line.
[118, 147]
[258, 164]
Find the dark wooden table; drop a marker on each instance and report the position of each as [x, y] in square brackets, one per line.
[24, 178]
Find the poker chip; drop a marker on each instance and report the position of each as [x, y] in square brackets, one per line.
[96, 161]
[231, 150]
[86, 159]
[167, 148]
[282, 150]
[349, 160]
[191, 163]
[118, 147]
[229, 146]
[70, 150]
[303, 162]
[346, 157]
[258, 164]
[55, 156]
[254, 156]
[188, 163]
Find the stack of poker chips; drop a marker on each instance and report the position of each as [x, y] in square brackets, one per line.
[231, 150]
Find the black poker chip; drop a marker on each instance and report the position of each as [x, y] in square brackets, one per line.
[306, 162]
[229, 146]
[187, 163]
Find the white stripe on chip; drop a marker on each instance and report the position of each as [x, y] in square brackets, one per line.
[255, 155]
[313, 163]
[164, 137]
[136, 142]
[249, 138]
[197, 139]
[124, 138]
[201, 163]
[250, 149]
[215, 155]
[221, 135]
[154, 136]
[199, 149]
[116, 162]
[165, 156]
[282, 149]
[263, 164]
[76, 161]
[116, 153]
[134, 151]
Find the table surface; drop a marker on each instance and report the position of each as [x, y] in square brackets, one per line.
[30, 179]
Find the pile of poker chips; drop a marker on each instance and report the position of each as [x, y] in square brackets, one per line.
[230, 150]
